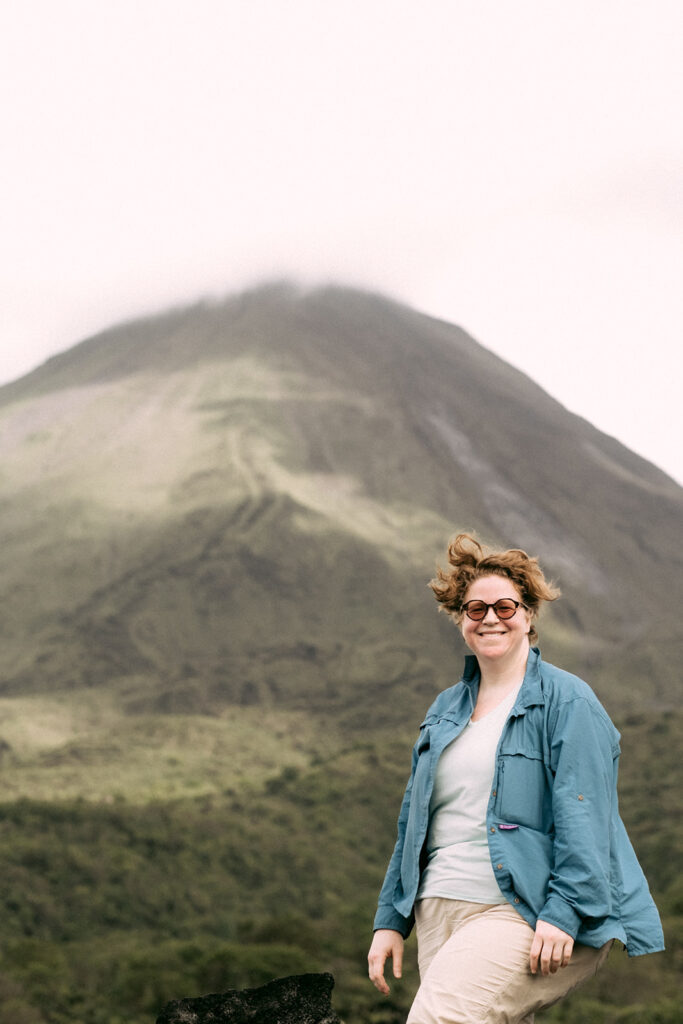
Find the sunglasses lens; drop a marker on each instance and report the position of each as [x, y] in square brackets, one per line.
[476, 610]
[505, 609]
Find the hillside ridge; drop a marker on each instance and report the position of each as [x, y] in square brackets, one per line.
[281, 471]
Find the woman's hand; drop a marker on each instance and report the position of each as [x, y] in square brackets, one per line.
[551, 948]
[385, 944]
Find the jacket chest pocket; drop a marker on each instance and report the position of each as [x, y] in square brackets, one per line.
[523, 793]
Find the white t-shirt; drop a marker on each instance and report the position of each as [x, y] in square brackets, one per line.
[459, 866]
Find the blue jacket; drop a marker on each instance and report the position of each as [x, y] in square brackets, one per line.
[558, 847]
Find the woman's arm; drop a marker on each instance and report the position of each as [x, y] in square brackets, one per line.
[584, 750]
[387, 917]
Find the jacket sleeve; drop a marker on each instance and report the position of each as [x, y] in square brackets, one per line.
[387, 916]
[584, 753]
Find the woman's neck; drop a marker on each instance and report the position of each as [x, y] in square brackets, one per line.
[500, 675]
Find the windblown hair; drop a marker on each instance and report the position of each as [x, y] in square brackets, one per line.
[469, 561]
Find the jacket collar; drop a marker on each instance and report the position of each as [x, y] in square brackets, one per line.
[531, 690]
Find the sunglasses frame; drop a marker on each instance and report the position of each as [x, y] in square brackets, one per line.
[503, 618]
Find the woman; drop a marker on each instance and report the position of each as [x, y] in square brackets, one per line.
[511, 857]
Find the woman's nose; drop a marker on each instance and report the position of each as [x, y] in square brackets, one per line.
[490, 616]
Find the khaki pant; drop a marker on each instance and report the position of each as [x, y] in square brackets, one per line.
[474, 966]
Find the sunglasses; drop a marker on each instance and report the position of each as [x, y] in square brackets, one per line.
[504, 608]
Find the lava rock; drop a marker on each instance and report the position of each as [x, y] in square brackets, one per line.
[299, 999]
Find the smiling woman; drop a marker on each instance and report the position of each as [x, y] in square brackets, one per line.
[511, 858]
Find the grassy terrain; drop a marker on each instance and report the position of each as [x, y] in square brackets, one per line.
[82, 747]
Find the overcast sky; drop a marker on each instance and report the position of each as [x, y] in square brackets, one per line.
[514, 168]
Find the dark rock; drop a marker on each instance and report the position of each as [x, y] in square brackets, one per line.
[300, 999]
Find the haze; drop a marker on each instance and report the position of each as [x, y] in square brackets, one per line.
[514, 169]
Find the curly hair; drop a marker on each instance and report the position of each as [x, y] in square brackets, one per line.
[469, 561]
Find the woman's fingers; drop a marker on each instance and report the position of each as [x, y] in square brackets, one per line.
[535, 952]
[386, 943]
[376, 972]
[551, 948]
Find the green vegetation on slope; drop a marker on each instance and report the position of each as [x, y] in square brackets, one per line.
[109, 911]
[81, 745]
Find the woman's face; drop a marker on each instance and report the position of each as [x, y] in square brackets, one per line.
[495, 638]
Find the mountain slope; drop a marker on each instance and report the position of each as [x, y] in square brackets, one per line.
[242, 502]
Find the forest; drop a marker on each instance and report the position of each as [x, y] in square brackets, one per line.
[109, 912]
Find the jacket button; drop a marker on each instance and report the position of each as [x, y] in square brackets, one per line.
[580, 796]
[492, 828]
[516, 899]
[499, 866]
[494, 793]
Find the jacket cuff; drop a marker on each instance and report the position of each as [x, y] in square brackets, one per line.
[389, 917]
[558, 912]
